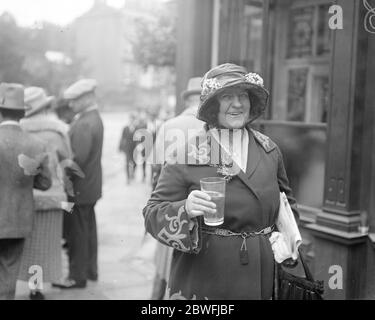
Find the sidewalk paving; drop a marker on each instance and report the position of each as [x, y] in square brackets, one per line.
[126, 262]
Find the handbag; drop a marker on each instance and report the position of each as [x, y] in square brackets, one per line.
[290, 287]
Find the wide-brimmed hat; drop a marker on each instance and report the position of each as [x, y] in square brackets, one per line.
[79, 88]
[11, 96]
[36, 100]
[193, 87]
[229, 75]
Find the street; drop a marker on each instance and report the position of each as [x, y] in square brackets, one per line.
[126, 267]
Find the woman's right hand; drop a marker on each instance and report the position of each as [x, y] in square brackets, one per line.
[199, 202]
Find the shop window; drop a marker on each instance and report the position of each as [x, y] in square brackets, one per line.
[319, 108]
[324, 33]
[299, 68]
[297, 94]
[301, 32]
[302, 58]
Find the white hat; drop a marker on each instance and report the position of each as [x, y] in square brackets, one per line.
[79, 88]
[36, 100]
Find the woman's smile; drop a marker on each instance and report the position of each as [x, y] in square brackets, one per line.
[234, 108]
[235, 113]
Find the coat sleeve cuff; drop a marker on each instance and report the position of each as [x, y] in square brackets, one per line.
[180, 232]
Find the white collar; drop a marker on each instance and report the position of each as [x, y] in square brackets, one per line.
[10, 123]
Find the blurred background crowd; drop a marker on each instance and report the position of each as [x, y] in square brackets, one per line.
[129, 48]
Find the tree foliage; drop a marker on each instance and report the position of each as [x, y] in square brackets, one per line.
[155, 41]
[23, 56]
[12, 56]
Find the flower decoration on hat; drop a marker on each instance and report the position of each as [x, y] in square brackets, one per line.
[210, 85]
[254, 78]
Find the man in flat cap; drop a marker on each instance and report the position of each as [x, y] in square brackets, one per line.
[24, 165]
[86, 134]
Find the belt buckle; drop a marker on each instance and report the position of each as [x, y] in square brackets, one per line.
[244, 235]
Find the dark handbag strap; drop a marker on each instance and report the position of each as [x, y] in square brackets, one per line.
[276, 283]
[305, 267]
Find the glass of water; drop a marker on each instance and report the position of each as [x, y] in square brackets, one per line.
[215, 188]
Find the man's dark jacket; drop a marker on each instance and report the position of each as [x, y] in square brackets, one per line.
[86, 134]
[127, 144]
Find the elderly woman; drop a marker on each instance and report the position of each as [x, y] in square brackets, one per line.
[234, 260]
[43, 247]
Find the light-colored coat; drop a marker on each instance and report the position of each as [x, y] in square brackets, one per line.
[185, 124]
[54, 133]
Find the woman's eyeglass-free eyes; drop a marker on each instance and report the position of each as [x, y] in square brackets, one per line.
[231, 96]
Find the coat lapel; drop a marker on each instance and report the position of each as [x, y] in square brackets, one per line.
[253, 156]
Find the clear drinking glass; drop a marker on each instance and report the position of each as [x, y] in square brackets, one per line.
[215, 188]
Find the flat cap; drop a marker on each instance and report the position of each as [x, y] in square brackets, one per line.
[79, 88]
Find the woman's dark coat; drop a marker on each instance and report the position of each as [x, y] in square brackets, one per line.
[206, 266]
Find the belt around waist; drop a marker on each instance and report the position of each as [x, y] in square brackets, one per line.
[245, 234]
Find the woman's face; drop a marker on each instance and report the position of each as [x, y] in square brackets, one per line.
[234, 108]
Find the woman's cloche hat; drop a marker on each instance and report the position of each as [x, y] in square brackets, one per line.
[193, 87]
[36, 100]
[229, 75]
[11, 96]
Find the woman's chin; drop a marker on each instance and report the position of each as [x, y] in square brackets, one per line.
[238, 124]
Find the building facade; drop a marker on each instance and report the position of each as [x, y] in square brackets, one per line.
[103, 39]
[321, 114]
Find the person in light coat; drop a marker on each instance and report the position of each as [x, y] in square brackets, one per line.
[43, 246]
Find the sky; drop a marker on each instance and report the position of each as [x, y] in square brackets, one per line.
[61, 12]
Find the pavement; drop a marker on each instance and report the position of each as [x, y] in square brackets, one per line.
[125, 256]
